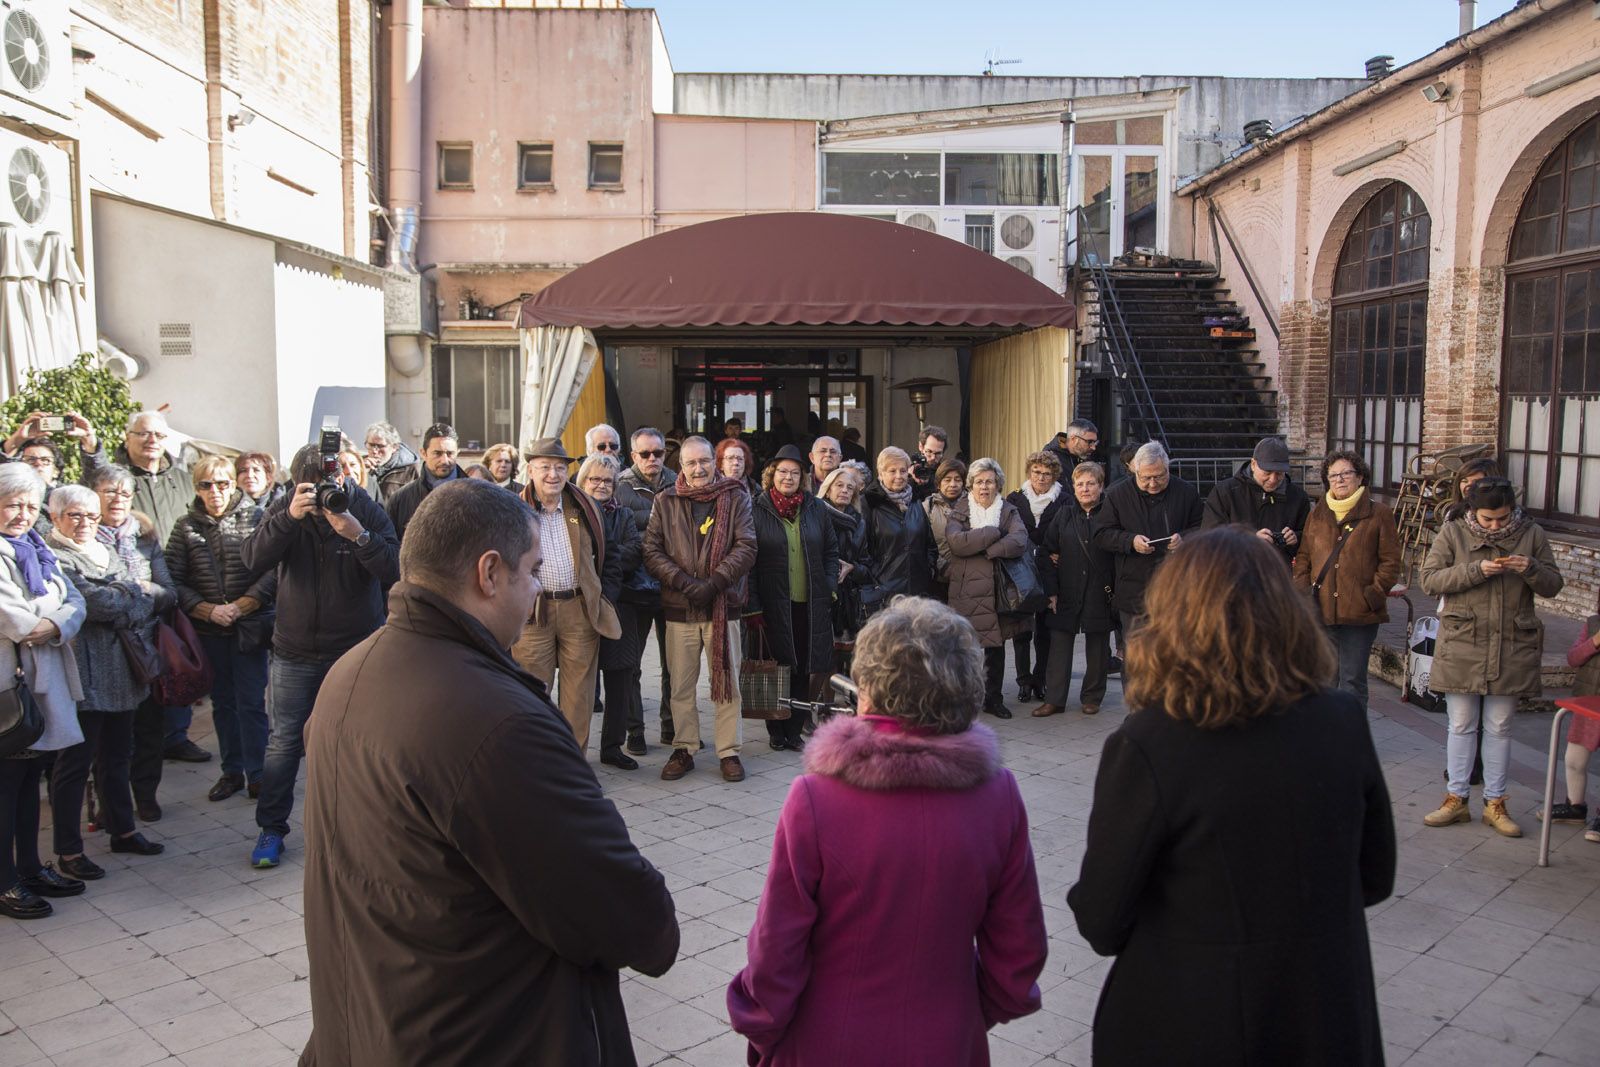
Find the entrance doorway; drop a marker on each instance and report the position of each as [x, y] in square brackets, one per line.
[1119, 188]
[781, 395]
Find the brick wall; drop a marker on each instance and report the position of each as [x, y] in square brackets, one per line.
[1303, 367]
[174, 25]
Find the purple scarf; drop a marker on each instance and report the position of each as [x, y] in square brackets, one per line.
[124, 541]
[36, 560]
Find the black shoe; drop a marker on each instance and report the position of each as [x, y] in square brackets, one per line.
[1578, 813]
[636, 745]
[147, 808]
[1116, 665]
[1026, 692]
[80, 867]
[777, 744]
[47, 883]
[187, 751]
[20, 902]
[137, 844]
[796, 744]
[999, 711]
[614, 758]
[226, 786]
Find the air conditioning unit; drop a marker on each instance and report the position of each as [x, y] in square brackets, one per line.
[1023, 262]
[36, 54]
[37, 198]
[1016, 232]
[919, 218]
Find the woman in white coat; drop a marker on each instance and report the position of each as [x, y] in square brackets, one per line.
[40, 613]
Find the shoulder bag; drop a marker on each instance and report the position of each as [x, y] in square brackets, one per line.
[763, 682]
[186, 673]
[1017, 588]
[1333, 557]
[21, 718]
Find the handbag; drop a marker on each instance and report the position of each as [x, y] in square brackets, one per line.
[763, 683]
[21, 718]
[186, 672]
[143, 657]
[1017, 588]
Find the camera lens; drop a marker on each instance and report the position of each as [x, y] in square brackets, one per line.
[332, 497]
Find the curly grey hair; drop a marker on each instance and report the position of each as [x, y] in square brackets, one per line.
[919, 661]
[987, 466]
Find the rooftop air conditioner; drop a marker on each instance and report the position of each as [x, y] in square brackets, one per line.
[1018, 232]
[36, 54]
[37, 198]
[921, 219]
[1024, 263]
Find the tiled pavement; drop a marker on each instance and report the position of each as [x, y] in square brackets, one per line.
[193, 958]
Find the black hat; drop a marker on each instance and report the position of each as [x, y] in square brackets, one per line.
[1272, 454]
[788, 452]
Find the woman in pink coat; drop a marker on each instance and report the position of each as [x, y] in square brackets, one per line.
[901, 915]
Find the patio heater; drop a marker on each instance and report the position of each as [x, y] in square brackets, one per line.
[920, 392]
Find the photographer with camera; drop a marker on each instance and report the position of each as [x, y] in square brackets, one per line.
[1262, 499]
[931, 448]
[336, 553]
[440, 446]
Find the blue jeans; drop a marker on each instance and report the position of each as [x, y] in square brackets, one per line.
[295, 683]
[177, 724]
[1354, 647]
[1463, 710]
[238, 703]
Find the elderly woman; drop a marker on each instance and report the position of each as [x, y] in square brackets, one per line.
[897, 529]
[949, 485]
[232, 609]
[985, 527]
[131, 535]
[951, 913]
[1081, 581]
[501, 462]
[258, 479]
[41, 611]
[1236, 941]
[789, 613]
[1488, 565]
[115, 599]
[619, 657]
[736, 461]
[1349, 558]
[840, 494]
[1040, 497]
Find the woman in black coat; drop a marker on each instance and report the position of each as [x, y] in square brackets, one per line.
[897, 530]
[1240, 826]
[1080, 580]
[794, 535]
[839, 494]
[1042, 495]
[619, 657]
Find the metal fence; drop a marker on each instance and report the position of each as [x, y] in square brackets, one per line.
[1204, 473]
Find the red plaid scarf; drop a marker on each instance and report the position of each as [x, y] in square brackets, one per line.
[721, 492]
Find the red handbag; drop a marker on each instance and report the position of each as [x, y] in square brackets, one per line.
[186, 672]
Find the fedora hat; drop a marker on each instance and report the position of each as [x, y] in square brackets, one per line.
[547, 448]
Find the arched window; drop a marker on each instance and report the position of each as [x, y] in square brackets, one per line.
[1551, 419]
[1380, 329]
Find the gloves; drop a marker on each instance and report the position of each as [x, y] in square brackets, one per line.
[700, 592]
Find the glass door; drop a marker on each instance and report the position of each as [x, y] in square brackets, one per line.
[1121, 192]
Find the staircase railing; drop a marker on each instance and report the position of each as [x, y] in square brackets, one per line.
[1117, 342]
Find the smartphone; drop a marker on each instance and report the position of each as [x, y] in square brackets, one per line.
[52, 423]
[1159, 540]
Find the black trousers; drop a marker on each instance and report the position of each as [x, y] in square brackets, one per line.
[1097, 657]
[623, 707]
[19, 819]
[994, 675]
[803, 684]
[646, 619]
[107, 745]
[149, 748]
[1031, 653]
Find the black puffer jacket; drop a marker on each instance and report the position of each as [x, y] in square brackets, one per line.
[625, 545]
[205, 557]
[1083, 579]
[850, 530]
[1240, 501]
[901, 545]
[769, 585]
[1127, 512]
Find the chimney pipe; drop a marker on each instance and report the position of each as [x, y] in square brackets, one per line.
[1379, 67]
[1469, 17]
[405, 132]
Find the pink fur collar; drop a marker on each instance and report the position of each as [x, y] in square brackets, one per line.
[859, 753]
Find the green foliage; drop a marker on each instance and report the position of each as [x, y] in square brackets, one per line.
[84, 387]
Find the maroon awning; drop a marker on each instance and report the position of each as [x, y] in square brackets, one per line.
[797, 268]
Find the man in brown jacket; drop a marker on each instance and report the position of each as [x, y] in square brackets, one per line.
[700, 545]
[459, 908]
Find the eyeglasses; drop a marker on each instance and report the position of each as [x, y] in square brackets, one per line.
[651, 453]
[599, 481]
[608, 446]
[1340, 476]
[148, 435]
[206, 487]
[118, 494]
[1086, 439]
[80, 516]
[39, 461]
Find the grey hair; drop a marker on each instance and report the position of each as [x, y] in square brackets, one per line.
[18, 478]
[67, 495]
[1079, 427]
[137, 416]
[608, 462]
[985, 465]
[384, 430]
[455, 525]
[1150, 453]
[698, 441]
[111, 474]
[920, 662]
[588, 436]
[645, 431]
[893, 452]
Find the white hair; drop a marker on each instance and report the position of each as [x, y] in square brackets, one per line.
[67, 495]
[139, 416]
[386, 432]
[599, 460]
[1150, 454]
[588, 437]
[19, 478]
[985, 465]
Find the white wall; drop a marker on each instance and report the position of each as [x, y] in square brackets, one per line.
[330, 353]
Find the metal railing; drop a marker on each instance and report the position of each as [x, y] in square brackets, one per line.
[1205, 472]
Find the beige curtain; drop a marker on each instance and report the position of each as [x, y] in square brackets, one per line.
[1021, 396]
[556, 363]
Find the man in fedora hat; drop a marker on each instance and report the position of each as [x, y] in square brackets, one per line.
[570, 616]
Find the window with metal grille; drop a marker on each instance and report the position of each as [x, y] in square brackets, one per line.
[1380, 330]
[1550, 419]
[535, 164]
[455, 164]
[605, 165]
[980, 232]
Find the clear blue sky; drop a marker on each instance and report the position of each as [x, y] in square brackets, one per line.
[1242, 38]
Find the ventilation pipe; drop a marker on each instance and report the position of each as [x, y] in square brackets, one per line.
[405, 132]
[1379, 68]
[1257, 130]
[1469, 17]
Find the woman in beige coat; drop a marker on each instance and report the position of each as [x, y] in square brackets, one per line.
[1488, 565]
[983, 527]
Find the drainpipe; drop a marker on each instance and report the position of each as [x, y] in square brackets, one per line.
[405, 132]
[1469, 17]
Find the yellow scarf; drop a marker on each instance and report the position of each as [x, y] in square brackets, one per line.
[1341, 508]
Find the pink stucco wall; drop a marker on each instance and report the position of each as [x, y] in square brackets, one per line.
[708, 168]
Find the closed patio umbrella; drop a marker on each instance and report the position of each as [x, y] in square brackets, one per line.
[65, 304]
[556, 362]
[24, 327]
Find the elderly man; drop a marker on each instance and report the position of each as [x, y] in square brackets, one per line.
[826, 455]
[566, 626]
[1261, 498]
[603, 440]
[391, 464]
[440, 446]
[1080, 441]
[931, 449]
[1143, 518]
[700, 545]
[638, 487]
[470, 896]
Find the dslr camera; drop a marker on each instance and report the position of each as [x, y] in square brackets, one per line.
[331, 494]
